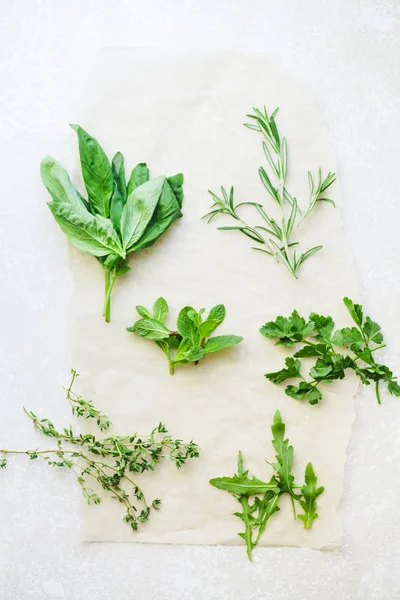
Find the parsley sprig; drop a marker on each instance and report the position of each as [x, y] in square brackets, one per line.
[317, 339]
[112, 461]
[259, 500]
[274, 238]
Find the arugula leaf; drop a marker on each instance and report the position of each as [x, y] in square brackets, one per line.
[187, 344]
[139, 209]
[284, 455]
[266, 495]
[320, 341]
[96, 172]
[220, 342]
[310, 493]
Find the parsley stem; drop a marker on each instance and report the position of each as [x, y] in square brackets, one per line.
[378, 397]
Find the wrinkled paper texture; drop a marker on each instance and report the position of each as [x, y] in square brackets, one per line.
[184, 112]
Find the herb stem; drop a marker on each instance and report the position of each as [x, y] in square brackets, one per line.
[378, 397]
[109, 279]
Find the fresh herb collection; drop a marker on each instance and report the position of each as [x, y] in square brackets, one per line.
[259, 500]
[118, 217]
[112, 462]
[316, 338]
[121, 216]
[274, 238]
[190, 341]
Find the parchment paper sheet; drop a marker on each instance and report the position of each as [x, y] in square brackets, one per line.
[184, 112]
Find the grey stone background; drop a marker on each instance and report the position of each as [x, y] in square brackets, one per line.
[348, 52]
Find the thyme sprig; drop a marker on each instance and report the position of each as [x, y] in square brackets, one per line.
[274, 238]
[109, 461]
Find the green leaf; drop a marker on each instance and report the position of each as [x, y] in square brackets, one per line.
[314, 396]
[394, 388]
[215, 318]
[372, 331]
[160, 310]
[195, 354]
[85, 231]
[150, 329]
[323, 325]
[167, 211]
[355, 311]
[284, 454]
[96, 172]
[347, 335]
[242, 485]
[116, 207]
[220, 342]
[138, 211]
[176, 183]
[140, 174]
[310, 493]
[118, 171]
[58, 183]
[143, 312]
[246, 517]
[320, 371]
[187, 327]
[289, 330]
[291, 372]
[311, 351]
[298, 392]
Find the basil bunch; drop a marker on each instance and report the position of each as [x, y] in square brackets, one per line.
[118, 217]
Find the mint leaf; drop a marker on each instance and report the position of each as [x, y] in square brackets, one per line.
[220, 342]
[160, 310]
[150, 329]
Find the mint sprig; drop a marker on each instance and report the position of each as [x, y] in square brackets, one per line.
[190, 341]
[316, 338]
[259, 500]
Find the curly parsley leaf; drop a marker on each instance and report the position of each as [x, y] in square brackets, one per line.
[318, 339]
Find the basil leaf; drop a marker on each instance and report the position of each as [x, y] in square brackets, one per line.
[118, 171]
[140, 174]
[167, 211]
[150, 329]
[96, 171]
[85, 231]
[160, 310]
[220, 342]
[58, 183]
[116, 208]
[138, 210]
[176, 183]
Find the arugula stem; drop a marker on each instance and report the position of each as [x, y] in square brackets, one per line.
[109, 280]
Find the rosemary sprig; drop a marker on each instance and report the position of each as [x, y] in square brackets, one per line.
[109, 461]
[274, 238]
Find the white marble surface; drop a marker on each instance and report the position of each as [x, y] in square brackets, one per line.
[349, 54]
